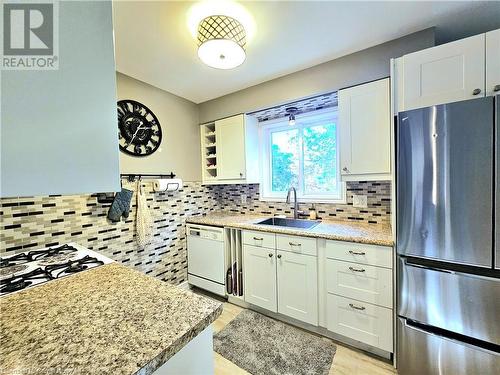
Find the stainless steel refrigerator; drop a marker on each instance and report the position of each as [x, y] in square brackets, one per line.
[448, 241]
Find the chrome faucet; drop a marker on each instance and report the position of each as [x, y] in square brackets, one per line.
[295, 202]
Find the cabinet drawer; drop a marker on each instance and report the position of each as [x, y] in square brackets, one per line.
[373, 255]
[360, 321]
[259, 239]
[361, 282]
[301, 245]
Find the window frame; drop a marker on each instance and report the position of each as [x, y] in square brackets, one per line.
[266, 128]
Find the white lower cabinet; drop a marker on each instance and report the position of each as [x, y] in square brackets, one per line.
[349, 285]
[298, 286]
[259, 265]
[281, 280]
[358, 292]
[360, 321]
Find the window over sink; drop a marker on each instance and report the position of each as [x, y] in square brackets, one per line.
[305, 156]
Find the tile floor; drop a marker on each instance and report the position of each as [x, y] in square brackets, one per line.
[346, 361]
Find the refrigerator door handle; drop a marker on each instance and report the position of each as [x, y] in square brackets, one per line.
[409, 263]
[411, 325]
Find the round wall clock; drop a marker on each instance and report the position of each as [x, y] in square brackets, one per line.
[139, 130]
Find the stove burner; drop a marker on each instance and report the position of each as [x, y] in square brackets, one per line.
[16, 283]
[14, 260]
[50, 252]
[11, 270]
[57, 259]
[59, 270]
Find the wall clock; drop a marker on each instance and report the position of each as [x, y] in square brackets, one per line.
[139, 130]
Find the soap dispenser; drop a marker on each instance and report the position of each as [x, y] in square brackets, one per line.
[312, 213]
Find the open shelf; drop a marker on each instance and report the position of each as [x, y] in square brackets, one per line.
[209, 150]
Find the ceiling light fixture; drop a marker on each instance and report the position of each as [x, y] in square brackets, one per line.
[221, 42]
[292, 111]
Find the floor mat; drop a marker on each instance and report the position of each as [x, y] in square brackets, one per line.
[261, 345]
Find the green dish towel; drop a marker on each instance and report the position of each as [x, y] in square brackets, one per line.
[121, 205]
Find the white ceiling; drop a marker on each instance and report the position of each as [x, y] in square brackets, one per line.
[154, 44]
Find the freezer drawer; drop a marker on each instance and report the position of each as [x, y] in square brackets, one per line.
[462, 303]
[421, 352]
[445, 182]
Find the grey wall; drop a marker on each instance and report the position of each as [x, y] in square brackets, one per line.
[58, 127]
[179, 151]
[367, 65]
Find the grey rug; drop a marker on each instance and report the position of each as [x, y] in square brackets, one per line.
[261, 345]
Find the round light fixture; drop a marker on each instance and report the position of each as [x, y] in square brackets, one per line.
[221, 42]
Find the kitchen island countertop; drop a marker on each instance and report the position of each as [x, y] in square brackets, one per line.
[107, 320]
[374, 234]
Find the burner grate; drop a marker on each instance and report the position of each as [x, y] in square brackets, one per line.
[20, 282]
[59, 270]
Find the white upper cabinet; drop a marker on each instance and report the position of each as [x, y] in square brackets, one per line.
[365, 132]
[465, 69]
[59, 127]
[493, 62]
[230, 151]
[443, 74]
[230, 135]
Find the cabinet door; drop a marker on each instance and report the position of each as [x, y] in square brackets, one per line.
[444, 74]
[298, 286]
[493, 62]
[59, 127]
[365, 133]
[260, 276]
[230, 139]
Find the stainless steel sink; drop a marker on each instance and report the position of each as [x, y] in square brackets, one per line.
[293, 223]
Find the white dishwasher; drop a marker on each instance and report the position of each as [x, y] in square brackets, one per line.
[206, 260]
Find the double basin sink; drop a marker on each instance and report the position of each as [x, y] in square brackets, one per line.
[289, 223]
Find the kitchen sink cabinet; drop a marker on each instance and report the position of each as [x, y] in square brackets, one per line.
[229, 149]
[259, 267]
[297, 276]
[281, 281]
[59, 127]
[365, 131]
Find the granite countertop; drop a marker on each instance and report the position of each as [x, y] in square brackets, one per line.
[375, 234]
[107, 320]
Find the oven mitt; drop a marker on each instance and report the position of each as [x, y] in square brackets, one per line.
[121, 205]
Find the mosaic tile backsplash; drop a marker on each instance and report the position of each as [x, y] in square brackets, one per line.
[377, 212]
[31, 223]
[36, 222]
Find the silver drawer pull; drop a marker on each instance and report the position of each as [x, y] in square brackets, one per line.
[352, 252]
[294, 244]
[356, 269]
[258, 239]
[353, 306]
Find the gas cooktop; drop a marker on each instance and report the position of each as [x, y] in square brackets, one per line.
[32, 268]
